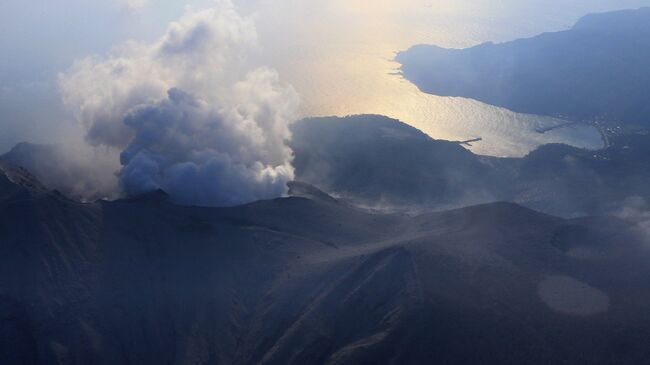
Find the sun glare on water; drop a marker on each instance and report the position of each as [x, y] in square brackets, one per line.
[339, 55]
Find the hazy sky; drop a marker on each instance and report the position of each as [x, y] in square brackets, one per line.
[43, 37]
[336, 53]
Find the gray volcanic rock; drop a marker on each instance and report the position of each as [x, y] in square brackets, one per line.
[303, 280]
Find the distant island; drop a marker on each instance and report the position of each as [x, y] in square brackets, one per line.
[598, 70]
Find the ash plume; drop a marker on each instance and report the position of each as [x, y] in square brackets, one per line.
[192, 114]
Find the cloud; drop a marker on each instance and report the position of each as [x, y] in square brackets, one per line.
[133, 6]
[75, 169]
[637, 211]
[189, 113]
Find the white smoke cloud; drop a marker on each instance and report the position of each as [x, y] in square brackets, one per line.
[133, 6]
[637, 211]
[190, 115]
[75, 169]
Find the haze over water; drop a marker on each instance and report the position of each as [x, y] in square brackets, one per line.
[339, 55]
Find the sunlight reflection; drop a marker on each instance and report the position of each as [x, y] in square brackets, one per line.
[339, 56]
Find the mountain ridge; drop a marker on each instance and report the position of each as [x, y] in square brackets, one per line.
[298, 280]
[592, 72]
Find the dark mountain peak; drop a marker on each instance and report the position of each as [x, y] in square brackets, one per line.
[506, 210]
[497, 214]
[378, 162]
[304, 190]
[16, 181]
[23, 149]
[629, 20]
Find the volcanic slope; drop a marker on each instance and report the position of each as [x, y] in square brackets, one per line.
[311, 280]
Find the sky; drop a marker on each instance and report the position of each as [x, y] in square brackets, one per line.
[337, 54]
[42, 38]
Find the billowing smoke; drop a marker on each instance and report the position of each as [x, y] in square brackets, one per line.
[637, 211]
[132, 6]
[190, 114]
[79, 171]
